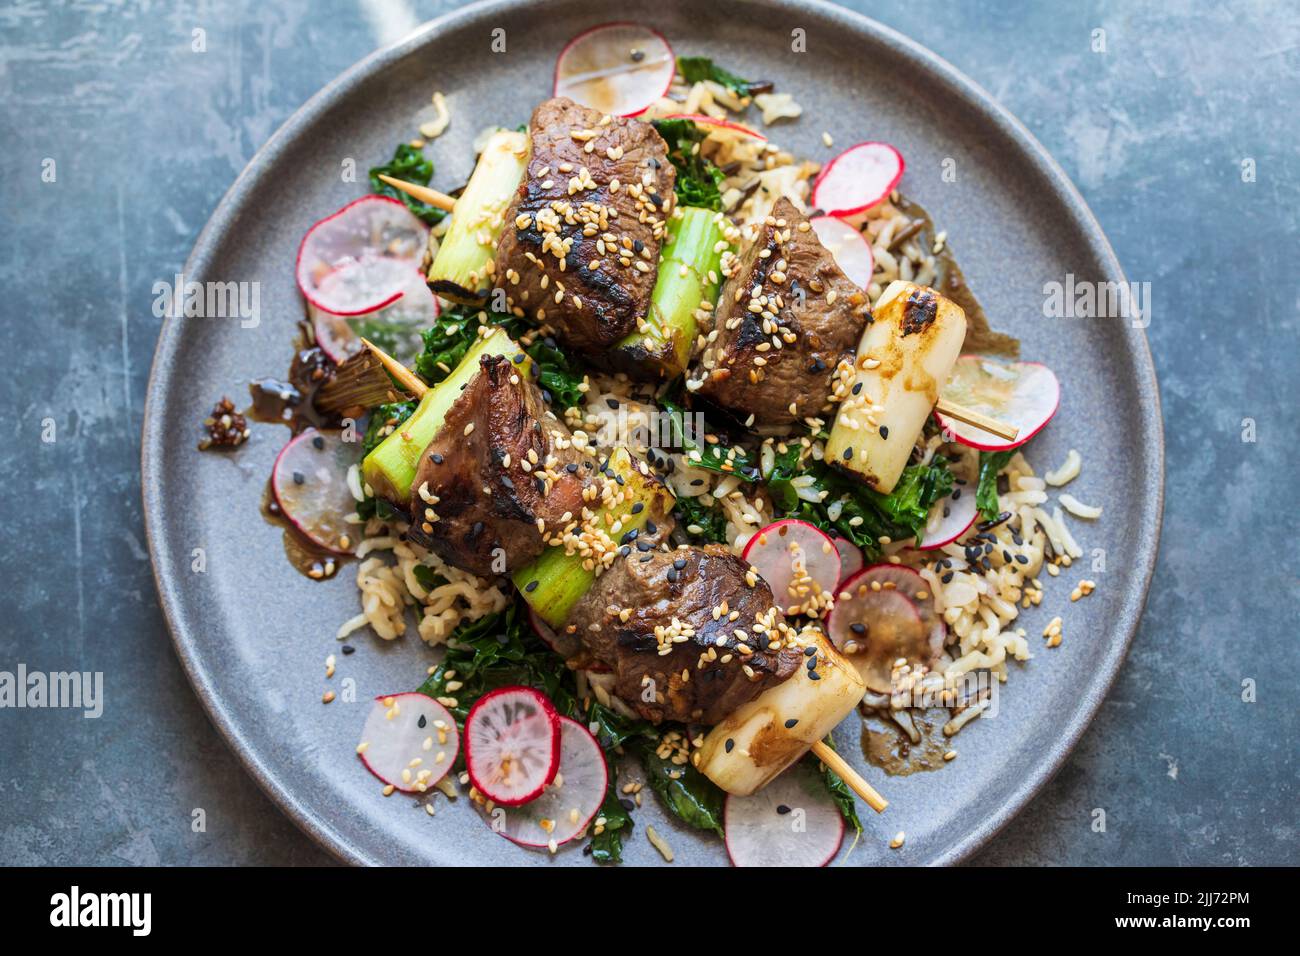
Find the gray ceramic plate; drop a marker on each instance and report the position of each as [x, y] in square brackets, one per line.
[253, 634]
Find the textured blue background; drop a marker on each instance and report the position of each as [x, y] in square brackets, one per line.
[147, 136]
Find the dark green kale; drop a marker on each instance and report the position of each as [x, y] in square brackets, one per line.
[697, 178]
[696, 69]
[986, 493]
[409, 165]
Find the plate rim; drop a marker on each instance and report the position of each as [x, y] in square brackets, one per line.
[152, 447]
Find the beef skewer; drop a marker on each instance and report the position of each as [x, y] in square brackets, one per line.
[777, 670]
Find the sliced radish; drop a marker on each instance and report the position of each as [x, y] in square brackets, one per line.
[512, 744]
[950, 518]
[792, 554]
[566, 645]
[851, 251]
[1023, 394]
[793, 821]
[399, 323]
[857, 179]
[851, 559]
[883, 614]
[310, 484]
[713, 123]
[361, 258]
[409, 741]
[618, 68]
[568, 804]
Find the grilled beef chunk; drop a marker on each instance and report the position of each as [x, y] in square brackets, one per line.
[580, 250]
[500, 462]
[787, 318]
[651, 617]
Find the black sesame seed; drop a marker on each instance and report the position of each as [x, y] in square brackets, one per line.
[791, 722]
[628, 537]
[809, 651]
[638, 245]
[813, 675]
[946, 578]
[1022, 559]
[848, 453]
[423, 721]
[811, 664]
[884, 431]
[508, 482]
[679, 563]
[571, 467]
[857, 627]
[730, 743]
[318, 442]
[650, 527]
[349, 649]
[530, 587]
[1006, 555]
[613, 403]
[782, 809]
[298, 479]
[638, 507]
[857, 388]
[956, 493]
[437, 459]
[625, 550]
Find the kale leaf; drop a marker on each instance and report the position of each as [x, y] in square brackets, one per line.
[693, 513]
[696, 69]
[986, 493]
[697, 178]
[410, 165]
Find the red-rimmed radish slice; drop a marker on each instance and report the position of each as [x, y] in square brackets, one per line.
[713, 123]
[793, 821]
[618, 68]
[950, 518]
[851, 559]
[361, 258]
[512, 744]
[409, 741]
[399, 322]
[857, 179]
[1022, 394]
[566, 645]
[568, 804]
[849, 248]
[884, 613]
[794, 555]
[310, 484]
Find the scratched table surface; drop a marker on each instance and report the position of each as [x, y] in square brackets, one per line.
[1176, 122]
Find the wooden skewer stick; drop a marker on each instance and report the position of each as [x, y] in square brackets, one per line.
[405, 377]
[825, 754]
[422, 193]
[850, 776]
[974, 418]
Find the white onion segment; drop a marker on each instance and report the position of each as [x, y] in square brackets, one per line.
[616, 68]
[409, 740]
[512, 744]
[884, 614]
[569, 803]
[1022, 394]
[950, 518]
[310, 485]
[851, 558]
[361, 258]
[400, 323]
[857, 179]
[793, 821]
[798, 561]
[848, 247]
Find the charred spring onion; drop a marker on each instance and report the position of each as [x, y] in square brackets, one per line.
[554, 582]
[688, 277]
[390, 469]
[462, 269]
